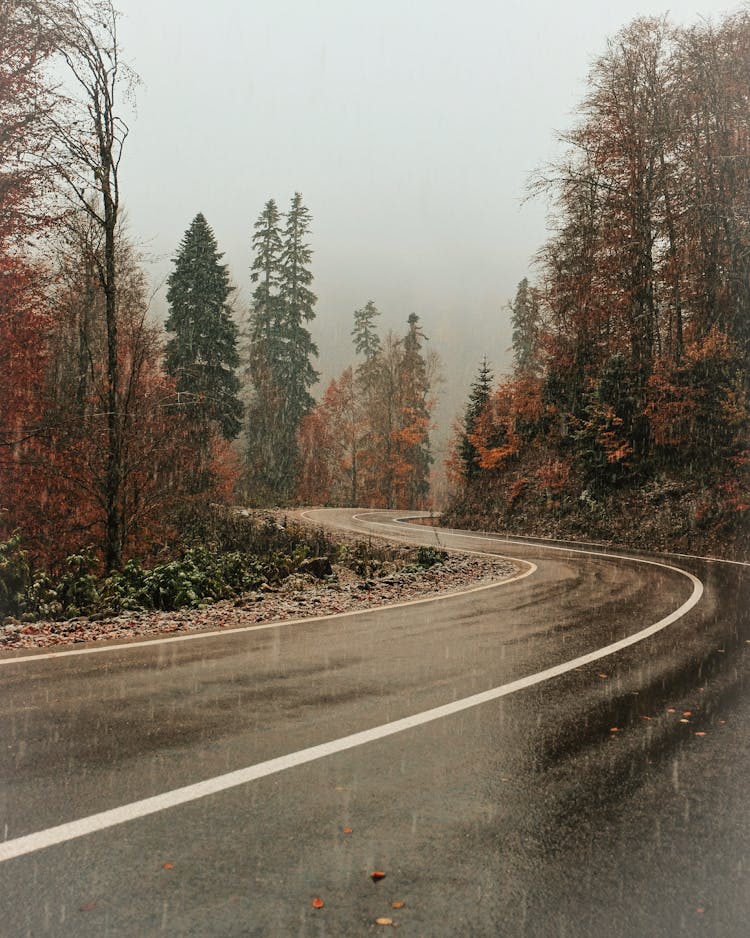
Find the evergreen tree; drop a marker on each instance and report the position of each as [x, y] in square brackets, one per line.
[263, 352]
[479, 394]
[525, 321]
[415, 415]
[367, 377]
[366, 339]
[297, 308]
[281, 350]
[265, 272]
[202, 353]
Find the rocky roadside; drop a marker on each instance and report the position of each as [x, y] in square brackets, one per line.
[299, 597]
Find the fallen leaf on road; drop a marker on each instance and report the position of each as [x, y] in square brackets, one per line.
[167, 866]
[347, 830]
[89, 906]
[671, 710]
[687, 713]
[340, 788]
[646, 718]
[614, 729]
[602, 675]
[377, 875]
[317, 903]
[397, 905]
[384, 921]
[700, 733]
[683, 720]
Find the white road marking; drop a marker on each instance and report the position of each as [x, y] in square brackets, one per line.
[237, 630]
[404, 522]
[96, 822]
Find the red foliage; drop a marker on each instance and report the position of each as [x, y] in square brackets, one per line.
[24, 323]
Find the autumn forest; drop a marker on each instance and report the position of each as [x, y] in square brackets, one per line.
[625, 416]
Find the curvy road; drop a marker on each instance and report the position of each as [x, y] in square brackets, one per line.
[563, 754]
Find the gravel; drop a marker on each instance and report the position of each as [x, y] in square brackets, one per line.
[301, 596]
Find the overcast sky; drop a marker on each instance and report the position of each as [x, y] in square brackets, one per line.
[411, 129]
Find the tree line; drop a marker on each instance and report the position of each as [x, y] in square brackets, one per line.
[112, 425]
[631, 349]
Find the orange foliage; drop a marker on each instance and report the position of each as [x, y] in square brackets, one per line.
[512, 412]
[554, 475]
[696, 401]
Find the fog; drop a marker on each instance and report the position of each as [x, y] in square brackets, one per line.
[411, 129]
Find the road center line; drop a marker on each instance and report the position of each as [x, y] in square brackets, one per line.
[137, 809]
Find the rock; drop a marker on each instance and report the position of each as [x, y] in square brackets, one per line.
[319, 567]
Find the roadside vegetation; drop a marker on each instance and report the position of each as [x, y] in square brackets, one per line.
[218, 554]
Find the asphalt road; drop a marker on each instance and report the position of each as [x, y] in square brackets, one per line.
[608, 798]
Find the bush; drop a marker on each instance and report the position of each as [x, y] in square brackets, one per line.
[223, 554]
[15, 576]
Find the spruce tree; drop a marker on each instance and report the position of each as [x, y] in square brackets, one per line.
[265, 272]
[525, 318]
[202, 353]
[366, 339]
[281, 351]
[415, 414]
[264, 351]
[297, 308]
[479, 394]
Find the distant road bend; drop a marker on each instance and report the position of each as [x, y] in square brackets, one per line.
[563, 754]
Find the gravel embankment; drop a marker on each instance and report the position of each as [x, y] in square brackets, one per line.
[298, 598]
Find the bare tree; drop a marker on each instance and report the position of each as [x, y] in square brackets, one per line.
[88, 137]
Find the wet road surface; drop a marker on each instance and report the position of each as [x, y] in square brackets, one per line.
[609, 800]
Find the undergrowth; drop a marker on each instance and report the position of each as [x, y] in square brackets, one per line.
[218, 554]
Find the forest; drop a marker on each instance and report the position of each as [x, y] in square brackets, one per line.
[625, 417]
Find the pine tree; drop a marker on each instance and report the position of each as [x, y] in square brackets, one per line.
[265, 272]
[525, 321]
[263, 352]
[415, 416]
[202, 353]
[297, 308]
[281, 351]
[366, 339]
[479, 394]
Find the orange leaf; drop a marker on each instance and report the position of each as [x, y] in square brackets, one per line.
[397, 905]
[700, 733]
[167, 866]
[671, 710]
[317, 903]
[377, 875]
[614, 729]
[347, 830]
[384, 921]
[687, 713]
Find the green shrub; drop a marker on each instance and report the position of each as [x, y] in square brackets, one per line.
[15, 576]
[430, 556]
